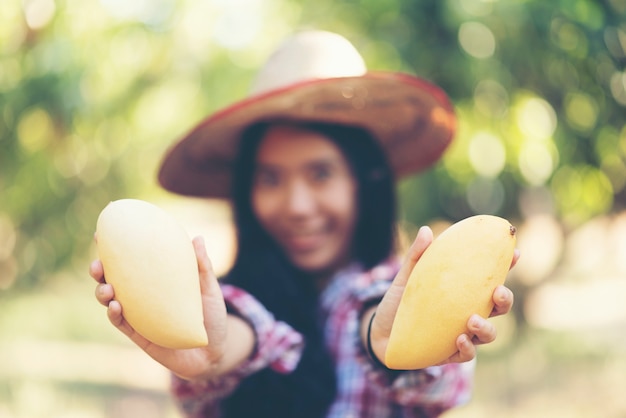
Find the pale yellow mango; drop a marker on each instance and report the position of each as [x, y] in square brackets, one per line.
[455, 278]
[149, 259]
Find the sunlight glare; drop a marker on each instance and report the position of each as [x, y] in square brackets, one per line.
[477, 40]
[38, 13]
[536, 118]
[487, 154]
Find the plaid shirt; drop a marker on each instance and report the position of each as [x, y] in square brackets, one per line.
[364, 389]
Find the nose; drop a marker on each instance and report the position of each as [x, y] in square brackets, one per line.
[300, 199]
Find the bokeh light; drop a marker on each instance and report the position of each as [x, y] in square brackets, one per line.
[487, 154]
[477, 40]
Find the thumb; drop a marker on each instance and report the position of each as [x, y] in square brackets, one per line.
[423, 239]
[388, 307]
[208, 280]
[213, 304]
[205, 268]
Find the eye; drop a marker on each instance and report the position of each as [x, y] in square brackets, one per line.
[266, 178]
[321, 173]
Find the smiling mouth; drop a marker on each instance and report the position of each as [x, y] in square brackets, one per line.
[305, 241]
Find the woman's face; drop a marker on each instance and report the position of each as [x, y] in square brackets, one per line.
[304, 195]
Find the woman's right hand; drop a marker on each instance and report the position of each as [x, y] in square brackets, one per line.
[187, 363]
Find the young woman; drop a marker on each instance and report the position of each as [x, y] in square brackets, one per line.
[310, 166]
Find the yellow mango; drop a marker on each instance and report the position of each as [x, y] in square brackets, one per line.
[150, 261]
[455, 278]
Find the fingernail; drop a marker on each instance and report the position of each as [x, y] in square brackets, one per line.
[475, 322]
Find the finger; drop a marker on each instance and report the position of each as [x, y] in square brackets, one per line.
[484, 331]
[205, 268]
[213, 304]
[104, 293]
[466, 350]
[389, 305]
[516, 254]
[503, 299]
[422, 240]
[208, 280]
[116, 317]
[96, 271]
[114, 312]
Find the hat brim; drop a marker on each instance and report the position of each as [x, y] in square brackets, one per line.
[412, 119]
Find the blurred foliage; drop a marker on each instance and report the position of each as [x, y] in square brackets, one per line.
[93, 92]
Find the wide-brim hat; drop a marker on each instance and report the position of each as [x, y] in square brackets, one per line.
[316, 76]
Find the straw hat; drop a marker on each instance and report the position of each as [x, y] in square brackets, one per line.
[316, 76]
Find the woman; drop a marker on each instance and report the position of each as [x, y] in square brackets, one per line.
[309, 161]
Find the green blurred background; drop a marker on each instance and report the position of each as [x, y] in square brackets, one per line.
[93, 92]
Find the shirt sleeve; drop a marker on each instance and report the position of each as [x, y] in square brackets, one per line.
[278, 346]
[434, 389]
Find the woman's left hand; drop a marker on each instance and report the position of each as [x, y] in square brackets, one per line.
[483, 330]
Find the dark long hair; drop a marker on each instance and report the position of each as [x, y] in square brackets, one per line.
[262, 269]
